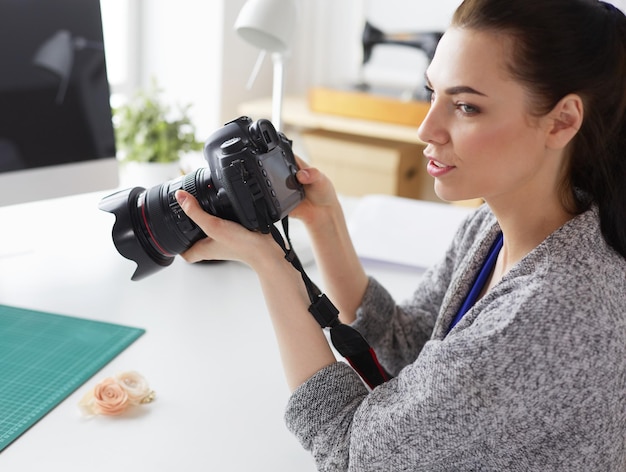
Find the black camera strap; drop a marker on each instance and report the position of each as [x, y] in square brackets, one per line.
[346, 340]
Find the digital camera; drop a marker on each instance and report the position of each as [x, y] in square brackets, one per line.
[250, 179]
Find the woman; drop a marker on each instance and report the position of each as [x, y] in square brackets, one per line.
[522, 367]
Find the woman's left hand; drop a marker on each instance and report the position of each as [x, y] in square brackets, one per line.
[226, 240]
[303, 345]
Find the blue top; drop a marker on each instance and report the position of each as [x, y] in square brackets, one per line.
[481, 280]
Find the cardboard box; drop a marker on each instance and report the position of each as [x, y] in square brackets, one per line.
[359, 166]
[375, 105]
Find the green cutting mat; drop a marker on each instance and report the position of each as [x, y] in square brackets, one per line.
[45, 357]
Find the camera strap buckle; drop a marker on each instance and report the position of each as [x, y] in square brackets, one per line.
[346, 340]
[291, 255]
[324, 312]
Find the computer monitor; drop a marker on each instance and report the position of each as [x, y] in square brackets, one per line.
[56, 132]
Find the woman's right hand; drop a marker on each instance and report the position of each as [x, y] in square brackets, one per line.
[322, 214]
[320, 196]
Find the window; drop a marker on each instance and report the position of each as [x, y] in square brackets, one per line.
[122, 34]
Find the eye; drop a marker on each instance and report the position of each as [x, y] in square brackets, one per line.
[467, 109]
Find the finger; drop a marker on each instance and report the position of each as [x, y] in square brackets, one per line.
[199, 251]
[187, 202]
[308, 175]
[192, 208]
[215, 229]
[226, 240]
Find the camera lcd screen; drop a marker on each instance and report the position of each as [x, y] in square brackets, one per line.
[282, 178]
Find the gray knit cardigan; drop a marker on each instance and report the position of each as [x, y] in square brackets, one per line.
[533, 378]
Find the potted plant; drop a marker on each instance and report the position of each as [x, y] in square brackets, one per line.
[151, 137]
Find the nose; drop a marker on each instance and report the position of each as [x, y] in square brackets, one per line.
[432, 130]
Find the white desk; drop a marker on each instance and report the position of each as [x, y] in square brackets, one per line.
[208, 352]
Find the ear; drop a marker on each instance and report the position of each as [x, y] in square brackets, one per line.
[564, 121]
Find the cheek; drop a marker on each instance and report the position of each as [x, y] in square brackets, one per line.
[497, 146]
[480, 146]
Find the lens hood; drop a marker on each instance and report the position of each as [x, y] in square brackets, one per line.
[127, 236]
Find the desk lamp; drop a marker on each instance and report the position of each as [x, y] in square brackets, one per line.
[56, 54]
[269, 25]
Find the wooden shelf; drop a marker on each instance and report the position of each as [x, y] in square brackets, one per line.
[378, 106]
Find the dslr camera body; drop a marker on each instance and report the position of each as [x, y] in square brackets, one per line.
[250, 179]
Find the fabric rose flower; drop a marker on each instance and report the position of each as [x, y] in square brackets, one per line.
[113, 395]
[136, 387]
[110, 398]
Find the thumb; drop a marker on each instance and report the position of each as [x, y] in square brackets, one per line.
[184, 200]
[308, 176]
[190, 205]
[206, 221]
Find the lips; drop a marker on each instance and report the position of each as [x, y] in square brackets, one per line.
[437, 168]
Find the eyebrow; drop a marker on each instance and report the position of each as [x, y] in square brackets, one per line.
[463, 89]
[458, 89]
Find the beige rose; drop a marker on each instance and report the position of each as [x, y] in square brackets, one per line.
[109, 397]
[113, 395]
[135, 385]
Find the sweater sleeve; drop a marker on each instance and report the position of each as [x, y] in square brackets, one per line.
[397, 332]
[320, 413]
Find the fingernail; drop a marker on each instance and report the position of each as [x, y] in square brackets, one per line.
[181, 197]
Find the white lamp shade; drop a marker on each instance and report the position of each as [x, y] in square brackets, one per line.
[267, 24]
[56, 54]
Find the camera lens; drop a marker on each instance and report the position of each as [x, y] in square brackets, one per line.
[168, 229]
[151, 227]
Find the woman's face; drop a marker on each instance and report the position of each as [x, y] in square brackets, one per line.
[481, 139]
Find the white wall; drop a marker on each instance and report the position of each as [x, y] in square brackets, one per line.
[182, 48]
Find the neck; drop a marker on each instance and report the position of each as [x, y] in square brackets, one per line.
[525, 227]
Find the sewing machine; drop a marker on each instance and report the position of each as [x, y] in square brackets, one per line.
[376, 101]
[373, 37]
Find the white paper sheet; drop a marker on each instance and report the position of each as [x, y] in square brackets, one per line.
[404, 231]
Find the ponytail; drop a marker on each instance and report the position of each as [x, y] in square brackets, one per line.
[598, 161]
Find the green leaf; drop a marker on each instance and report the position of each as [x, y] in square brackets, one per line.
[149, 130]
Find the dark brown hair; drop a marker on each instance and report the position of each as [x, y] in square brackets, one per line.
[572, 46]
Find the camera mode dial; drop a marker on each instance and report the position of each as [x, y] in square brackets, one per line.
[232, 145]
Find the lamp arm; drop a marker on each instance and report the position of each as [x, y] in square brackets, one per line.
[255, 70]
[278, 87]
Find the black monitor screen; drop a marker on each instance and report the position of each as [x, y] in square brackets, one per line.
[54, 94]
